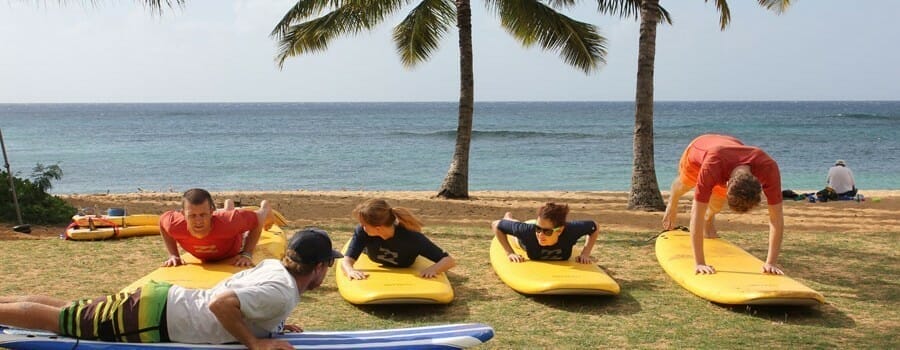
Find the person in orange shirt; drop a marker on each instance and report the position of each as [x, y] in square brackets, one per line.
[210, 234]
[721, 168]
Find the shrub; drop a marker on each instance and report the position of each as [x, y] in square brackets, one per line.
[38, 206]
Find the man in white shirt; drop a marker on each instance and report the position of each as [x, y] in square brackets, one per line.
[840, 179]
[248, 307]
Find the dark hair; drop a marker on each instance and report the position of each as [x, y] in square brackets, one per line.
[378, 212]
[556, 213]
[197, 196]
[743, 192]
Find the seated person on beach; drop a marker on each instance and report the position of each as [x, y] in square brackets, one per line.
[391, 237]
[840, 179]
[720, 167]
[210, 234]
[247, 307]
[550, 237]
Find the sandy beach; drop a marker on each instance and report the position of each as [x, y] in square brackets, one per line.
[878, 213]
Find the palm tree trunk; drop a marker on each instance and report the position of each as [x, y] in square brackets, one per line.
[456, 184]
[644, 188]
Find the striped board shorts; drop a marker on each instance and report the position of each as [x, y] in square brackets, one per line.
[134, 317]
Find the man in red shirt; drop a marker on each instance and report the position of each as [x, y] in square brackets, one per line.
[211, 235]
[720, 167]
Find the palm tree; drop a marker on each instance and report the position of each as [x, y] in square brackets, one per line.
[42, 176]
[420, 32]
[644, 193]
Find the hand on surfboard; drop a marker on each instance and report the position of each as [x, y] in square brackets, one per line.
[772, 269]
[242, 261]
[429, 272]
[584, 259]
[357, 275]
[173, 260]
[704, 269]
[292, 328]
[515, 257]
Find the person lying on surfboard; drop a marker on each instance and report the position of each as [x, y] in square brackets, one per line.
[550, 237]
[391, 237]
[210, 234]
[247, 307]
[720, 167]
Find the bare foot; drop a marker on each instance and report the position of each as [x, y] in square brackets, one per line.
[669, 219]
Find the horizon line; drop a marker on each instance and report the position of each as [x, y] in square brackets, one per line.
[436, 101]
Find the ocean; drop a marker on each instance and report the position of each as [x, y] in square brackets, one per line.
[572, 146]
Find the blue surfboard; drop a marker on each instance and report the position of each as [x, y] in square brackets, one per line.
[451, 336]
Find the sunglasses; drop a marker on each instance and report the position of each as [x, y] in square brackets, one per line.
[546, 231]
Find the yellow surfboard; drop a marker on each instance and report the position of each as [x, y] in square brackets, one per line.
[87, 234]
[550, 277]
[393, 285]
[106, 221]
[194, 274]
[738, 280]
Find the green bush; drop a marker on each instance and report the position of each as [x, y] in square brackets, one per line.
[38, 206]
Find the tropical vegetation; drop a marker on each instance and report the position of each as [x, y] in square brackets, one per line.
[36, 204]
[419, 34]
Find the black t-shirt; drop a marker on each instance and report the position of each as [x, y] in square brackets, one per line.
[398, 251]
[562, 250]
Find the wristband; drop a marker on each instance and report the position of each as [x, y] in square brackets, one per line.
[246, 255]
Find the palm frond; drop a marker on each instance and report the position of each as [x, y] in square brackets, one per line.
[158, 5]
[664, 16]
[778, 6]
[301, 10]
[559, 4]
[351, 17]
[419, 34]
[314, 35]
[530, 21]
[621, 8]
[724, 13]
[630, 9]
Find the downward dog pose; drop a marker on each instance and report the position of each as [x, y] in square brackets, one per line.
[720, 168]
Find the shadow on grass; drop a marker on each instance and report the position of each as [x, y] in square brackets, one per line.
[860, 270]
[826, 316]
[418, 313]
[622, 304]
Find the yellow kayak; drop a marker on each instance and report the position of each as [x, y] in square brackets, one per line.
[98, 233]
[550, 277]
[738, 280]
[107, 221]
[393, 285]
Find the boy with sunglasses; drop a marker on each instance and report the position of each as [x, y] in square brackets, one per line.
[550, 237]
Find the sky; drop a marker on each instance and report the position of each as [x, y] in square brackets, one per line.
[220, 51]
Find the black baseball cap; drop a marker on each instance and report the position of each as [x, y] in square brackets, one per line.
[312, 245]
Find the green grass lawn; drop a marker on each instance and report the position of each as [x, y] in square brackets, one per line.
[859, 275]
